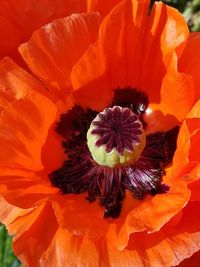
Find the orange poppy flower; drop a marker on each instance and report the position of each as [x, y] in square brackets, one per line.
[99, 148]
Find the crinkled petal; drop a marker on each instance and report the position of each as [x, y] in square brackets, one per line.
[15, 83]
[18, 20]
[39, 229]
[25, 191]
[186, 161]
[177, 95]
[54, 48]
[177, 240]
[136, 216]
[9, 213]
[63, 250]
[158, 119]
[190, 61]
[195, 189]
[72, 214]
[150, 214]
[24, 124]
[102, 6]
[70, 250]
[57, 247]
[28, 139]
[136, 50]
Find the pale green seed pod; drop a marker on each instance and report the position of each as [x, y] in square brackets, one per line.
[113, 158]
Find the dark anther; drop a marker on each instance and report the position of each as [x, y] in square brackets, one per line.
[131, 98]
[113, 210]
[161, 189]
[75, 122]
[160, 147]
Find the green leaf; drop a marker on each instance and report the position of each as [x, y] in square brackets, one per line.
[7, 257]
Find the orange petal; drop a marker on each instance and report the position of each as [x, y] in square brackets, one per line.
[39, 230]
[167, 247]
[186, 161]
[63, 249]
[25, 188]
[52, 154]
[9, 213]
[54, 48]
[39, 241]
[181, 161]
[176, 241]
[23, 129]
[79, 216]
[195, 189]
[88, 254]
[18, 20]
[190, 63]
[150, 214]
[133, 49]
[158, 119]
[25, 123]
[15, 83]
[102, 6]
[177, 95]
[71, 249]
[195, 111]
[25, 192]
[24, 221]
[90, 80]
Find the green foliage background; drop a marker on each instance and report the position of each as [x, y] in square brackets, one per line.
[191, 12]
[7, 258]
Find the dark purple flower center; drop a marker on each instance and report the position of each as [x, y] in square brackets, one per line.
[120, 126]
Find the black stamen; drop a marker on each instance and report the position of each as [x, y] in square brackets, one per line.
[76, 121]
[131, 98]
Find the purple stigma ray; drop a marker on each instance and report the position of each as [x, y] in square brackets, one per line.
[117, 128]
